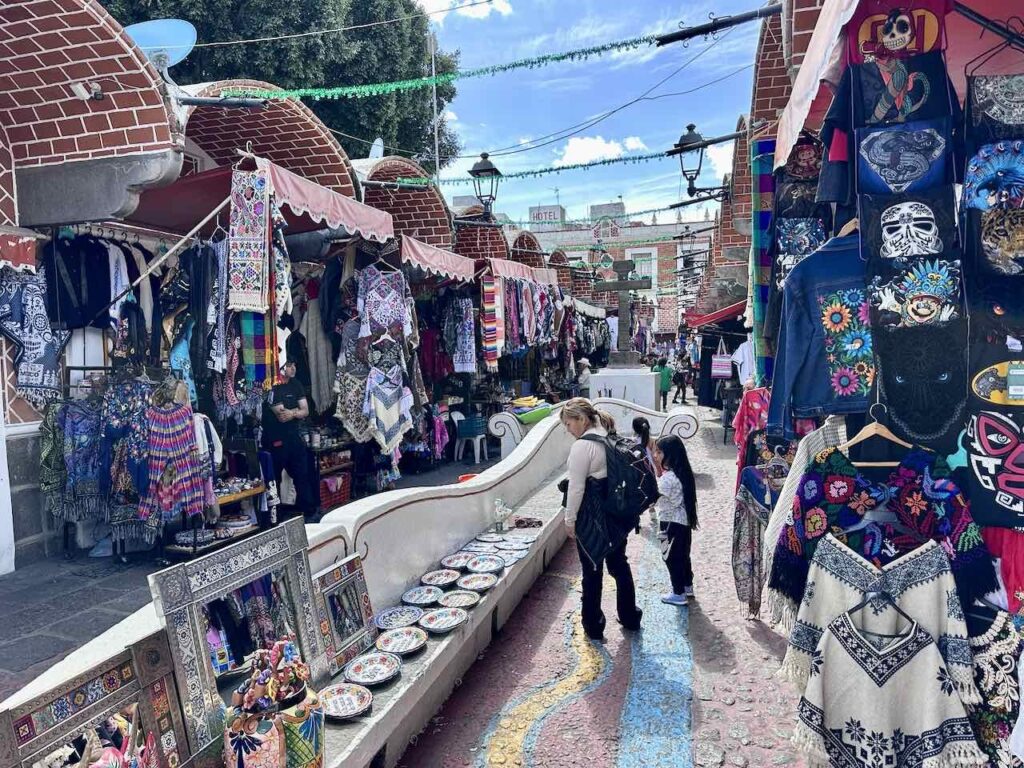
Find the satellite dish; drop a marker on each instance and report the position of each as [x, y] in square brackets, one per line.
[377, 149]
[165, 42]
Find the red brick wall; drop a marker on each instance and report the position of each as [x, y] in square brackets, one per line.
[422, 214]
[8, 202]
[582, 284]
[526, 250]
[772, 86]
[803, 16]
[560, 263]
[481, 243]
[285, 132]
[45, 46]
[738, 207]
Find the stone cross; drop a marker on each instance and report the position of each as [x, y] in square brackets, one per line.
[624, 356]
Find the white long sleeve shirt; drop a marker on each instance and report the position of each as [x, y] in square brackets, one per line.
[671, 504]
[586, 459]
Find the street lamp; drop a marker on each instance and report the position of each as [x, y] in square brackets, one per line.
[486, 178]
[692, 143]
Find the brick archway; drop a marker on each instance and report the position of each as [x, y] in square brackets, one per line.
[46, 47]
[480, 242]
[558, 261]
[285, 132]
[526, 250]
[419, 213]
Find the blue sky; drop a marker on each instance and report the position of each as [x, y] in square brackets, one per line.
[514, 107]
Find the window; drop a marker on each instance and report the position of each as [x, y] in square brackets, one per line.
[646, 260]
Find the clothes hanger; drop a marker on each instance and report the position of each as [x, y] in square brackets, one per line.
[875, 595]
[874, 429]
[972, 66]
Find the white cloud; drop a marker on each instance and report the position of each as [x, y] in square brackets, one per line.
[451, 117]
[720, 157]
[441, 9]
[634, 143]
[586, 149]
[525, 140]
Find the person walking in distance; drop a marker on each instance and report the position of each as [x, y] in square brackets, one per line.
[677, 516]
[597, 543]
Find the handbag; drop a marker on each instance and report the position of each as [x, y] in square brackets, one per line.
[721, 363]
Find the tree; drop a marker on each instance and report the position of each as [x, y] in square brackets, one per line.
[382, 53]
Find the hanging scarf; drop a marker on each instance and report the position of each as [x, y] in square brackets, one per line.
[387, 407]
[52, 472]
[83, 499]
[257, 351]
[248, 247]
[218, 345]
[320, 357]
[282, 264]
[489, 322]
[175, 484]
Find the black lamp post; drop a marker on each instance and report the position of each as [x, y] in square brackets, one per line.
[692, 143]
[486, 178]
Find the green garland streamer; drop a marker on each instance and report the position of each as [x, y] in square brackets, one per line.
[593, 219]
[379, 89]
[617, 243]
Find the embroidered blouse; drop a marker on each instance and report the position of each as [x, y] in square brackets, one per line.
[880, 521]
[671, 506]
[996, 658]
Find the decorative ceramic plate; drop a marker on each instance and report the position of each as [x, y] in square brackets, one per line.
[459, 598]
[485, 564]
[399, 616]
[478, 582]
[345, 700]
[520, 546]
[373, 668]
[457, 560]
[522, 535]
[443, 578]
[511, 558]
[443, 619]
[422, 595]
[490, 538]
[478, 546]
[402, 641]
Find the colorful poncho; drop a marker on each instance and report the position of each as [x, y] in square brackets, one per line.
[925, 504]
[175, 483]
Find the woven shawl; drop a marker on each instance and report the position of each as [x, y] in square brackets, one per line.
[464, 357]
[83, 499]
[489, 322]
[835, 497]
[52, 473]
[920, 582]
[258, 350]
[754, 498]
[351, 399]
[997, 655]
[387, 407]
[175, 484]
[248, 241]
[891, 707]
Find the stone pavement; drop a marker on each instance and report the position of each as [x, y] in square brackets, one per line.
[694, 687]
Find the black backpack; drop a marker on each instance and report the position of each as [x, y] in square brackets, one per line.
[632, 487]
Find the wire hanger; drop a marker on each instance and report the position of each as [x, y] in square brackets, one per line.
[874, 429]
[972, 66]
[879, 595]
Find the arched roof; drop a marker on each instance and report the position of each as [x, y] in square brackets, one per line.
[557, 258]
[526, 249]
[285, 132]
[419, 213]
[480, 242]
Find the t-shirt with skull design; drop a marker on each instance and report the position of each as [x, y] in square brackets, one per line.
[907, 226]
[896, 28]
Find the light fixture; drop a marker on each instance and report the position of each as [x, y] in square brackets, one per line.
[486, 178]
[87, 91]
[692, 143]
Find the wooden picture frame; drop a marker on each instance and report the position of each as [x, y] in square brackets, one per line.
[347, 628]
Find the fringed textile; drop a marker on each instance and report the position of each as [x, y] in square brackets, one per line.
[489, 322]
[248, 241]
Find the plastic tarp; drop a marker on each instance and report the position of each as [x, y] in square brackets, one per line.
[437, 261]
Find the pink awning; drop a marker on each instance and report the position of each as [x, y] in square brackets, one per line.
[512, 270]
[437, 261]
[321, 204]
[545, 276]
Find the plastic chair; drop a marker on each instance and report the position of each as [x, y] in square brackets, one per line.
[469, 431]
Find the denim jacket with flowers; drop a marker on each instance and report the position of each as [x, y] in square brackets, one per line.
[835, 497]
[823, 360]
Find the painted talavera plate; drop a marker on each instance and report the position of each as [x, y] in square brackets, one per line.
[345, 700]
[402, 641]
[459, 598]
[490, 538]
[479, 546]
[399, 616]
[457, 560]
[442, 578]
[485, 564]
[443, 620]
[511, 558]
[478, 582]
[511, 545]
[422, 595]
[373, 668]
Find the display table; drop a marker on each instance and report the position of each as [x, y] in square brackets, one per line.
[637, 385]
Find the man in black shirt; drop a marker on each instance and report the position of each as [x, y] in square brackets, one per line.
[283, 413]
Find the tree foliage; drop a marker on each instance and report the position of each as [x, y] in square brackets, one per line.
[375, 54]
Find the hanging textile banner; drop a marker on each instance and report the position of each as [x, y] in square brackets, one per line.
[248, 243]
[761, 204]
[512, 270]
[437, 261]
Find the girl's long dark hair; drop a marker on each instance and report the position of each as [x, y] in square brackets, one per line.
[642, 430]
[674, 459]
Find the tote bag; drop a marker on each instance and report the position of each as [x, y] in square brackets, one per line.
[721, 363]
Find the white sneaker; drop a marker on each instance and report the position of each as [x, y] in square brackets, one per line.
[688, 591]
[673, 599]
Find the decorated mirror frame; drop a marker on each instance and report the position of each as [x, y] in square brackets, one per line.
[337, 578]
[141, 674]
[180, 592]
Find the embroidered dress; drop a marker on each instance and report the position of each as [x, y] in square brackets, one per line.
[175, 484]
[248, 246]
[879, 521]
[759, 488]
[382, 303]
[387, 407]
[876, 706]
[83, 497]
[920, 582]
[997, 655]
[465, 344]
[751, 416]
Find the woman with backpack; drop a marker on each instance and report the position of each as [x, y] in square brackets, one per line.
[597, 543]
[677, 516]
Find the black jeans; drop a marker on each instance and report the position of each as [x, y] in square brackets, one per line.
[664, 400]
[625, 591]
[676, 540]
[292, 454]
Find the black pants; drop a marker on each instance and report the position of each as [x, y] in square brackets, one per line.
[664, 400]
[675, 551]
[292, 454]
[625, 591]
[680, 392]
